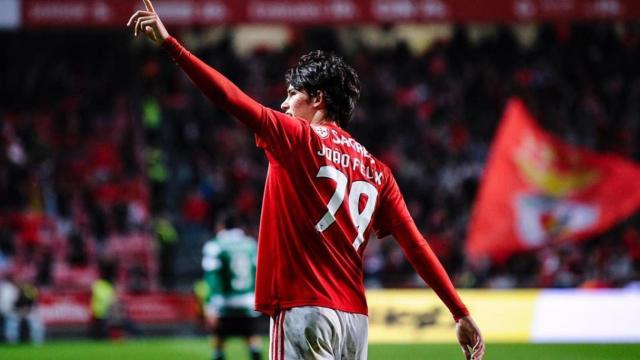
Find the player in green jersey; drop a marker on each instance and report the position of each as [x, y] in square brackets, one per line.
[229, 264]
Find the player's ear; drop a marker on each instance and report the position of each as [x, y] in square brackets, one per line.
[318, 99]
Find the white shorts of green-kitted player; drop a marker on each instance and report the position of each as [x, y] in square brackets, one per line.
[318, 333]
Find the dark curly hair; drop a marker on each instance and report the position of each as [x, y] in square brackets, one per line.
[319, 71]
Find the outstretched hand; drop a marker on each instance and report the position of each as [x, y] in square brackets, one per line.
[148, 23]
[470, 338]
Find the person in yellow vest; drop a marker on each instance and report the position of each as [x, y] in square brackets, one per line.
[167, 241]
[103, 299]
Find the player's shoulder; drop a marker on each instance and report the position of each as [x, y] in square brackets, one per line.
[288, 119]
[212, 247]
[249, 240]
[382, 168]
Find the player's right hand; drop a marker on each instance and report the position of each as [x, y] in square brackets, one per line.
[148, 23]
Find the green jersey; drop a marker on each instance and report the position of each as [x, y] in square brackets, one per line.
[229, 264]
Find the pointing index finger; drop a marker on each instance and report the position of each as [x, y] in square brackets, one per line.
[148, 5]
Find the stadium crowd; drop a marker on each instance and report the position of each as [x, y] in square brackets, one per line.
[109, 152]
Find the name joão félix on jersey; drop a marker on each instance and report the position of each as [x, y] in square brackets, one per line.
[345, 160]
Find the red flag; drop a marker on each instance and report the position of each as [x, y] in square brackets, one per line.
[538, 190]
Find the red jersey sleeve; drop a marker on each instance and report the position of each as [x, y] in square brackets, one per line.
[281, 134]
[275, 131]
[394, 218]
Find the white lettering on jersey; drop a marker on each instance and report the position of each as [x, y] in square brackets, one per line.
[346, 161]
[350, 142]
[361, 220]
[336, 200]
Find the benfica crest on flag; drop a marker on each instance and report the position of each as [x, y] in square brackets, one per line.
[538, 190]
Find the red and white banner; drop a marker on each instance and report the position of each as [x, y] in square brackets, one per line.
[65, 309]
[539, 190]
[115, 13]
[74, 308]
[161, 308]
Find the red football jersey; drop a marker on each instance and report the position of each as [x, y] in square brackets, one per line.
[324, 195]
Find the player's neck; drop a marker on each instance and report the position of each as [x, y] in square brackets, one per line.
[320, 118]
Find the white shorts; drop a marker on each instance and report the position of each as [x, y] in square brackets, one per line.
[312, 332]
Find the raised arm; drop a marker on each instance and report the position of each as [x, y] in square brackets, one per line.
[220, 90]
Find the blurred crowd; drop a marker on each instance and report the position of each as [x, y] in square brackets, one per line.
[108, 152]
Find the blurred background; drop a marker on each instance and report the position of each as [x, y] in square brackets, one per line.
[108, 153]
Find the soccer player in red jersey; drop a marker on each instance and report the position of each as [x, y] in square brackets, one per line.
[324, 195]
